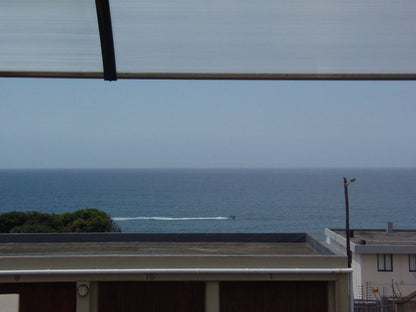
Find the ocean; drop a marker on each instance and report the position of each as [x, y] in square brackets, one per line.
[219, 200]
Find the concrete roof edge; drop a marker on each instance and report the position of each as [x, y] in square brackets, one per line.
[335, 236]
[379, 249]
[152, 237]
[373, 230]
[319, 246]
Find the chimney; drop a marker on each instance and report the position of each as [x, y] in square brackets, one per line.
[390, 227]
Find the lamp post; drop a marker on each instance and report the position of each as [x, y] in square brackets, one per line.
[347, 219]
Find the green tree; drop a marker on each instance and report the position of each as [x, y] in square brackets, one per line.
[84, 220]
[88, 220]
[9, 220]
[32, 228]
[37, 222]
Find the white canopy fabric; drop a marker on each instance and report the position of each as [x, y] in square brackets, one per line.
[49, 36]
[241, 39]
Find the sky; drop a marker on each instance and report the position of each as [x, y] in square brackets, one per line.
[87, 123]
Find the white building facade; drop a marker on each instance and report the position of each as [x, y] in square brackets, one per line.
[383, 261]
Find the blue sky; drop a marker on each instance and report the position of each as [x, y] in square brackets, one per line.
[59, 123]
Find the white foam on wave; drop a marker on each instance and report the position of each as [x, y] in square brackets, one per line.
[170, 218]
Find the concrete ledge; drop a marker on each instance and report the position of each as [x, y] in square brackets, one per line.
[317, 245]
[154, 237]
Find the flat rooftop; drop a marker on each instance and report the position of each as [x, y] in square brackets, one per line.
[123, 252]
[380, 237]
[139, 248]
[160, 244]
[373, 241]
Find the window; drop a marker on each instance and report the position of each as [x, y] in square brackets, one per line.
[412, 263]
[385, 262]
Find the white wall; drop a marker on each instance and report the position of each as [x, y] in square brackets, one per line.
[403, 280]
[336, 246]
[356, 276]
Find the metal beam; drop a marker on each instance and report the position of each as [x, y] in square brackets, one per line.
[106, 37]
[180, 271]
[113, 75]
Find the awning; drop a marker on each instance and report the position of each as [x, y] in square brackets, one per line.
[208, 39]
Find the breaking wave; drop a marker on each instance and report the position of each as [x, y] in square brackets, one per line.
[172, 218]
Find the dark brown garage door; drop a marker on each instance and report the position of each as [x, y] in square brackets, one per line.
[273, 296]
[43, 297]
[151, 296]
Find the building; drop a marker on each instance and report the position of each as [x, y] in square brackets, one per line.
[383, 261]
[171, 272]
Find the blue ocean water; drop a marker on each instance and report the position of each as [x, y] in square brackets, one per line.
[202, 200]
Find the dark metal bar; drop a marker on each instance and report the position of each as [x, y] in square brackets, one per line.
[347, 222]
[48, 74]
[269, 76]
[209, 76]
[106, 37]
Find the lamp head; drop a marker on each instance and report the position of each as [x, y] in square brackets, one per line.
[347, 182]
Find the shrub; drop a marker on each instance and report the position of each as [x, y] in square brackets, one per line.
[84, 220]
[32, 228]
[9, 220]
[88, 220]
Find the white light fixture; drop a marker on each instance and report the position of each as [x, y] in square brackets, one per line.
[83, 290]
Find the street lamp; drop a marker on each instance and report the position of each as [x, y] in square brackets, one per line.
[347, 219]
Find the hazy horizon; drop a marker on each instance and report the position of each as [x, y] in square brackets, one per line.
[61, 123]
[214, 168]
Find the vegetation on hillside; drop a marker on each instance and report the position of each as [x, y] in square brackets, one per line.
[84, 220]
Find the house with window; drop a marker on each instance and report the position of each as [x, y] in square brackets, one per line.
[383, 260]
